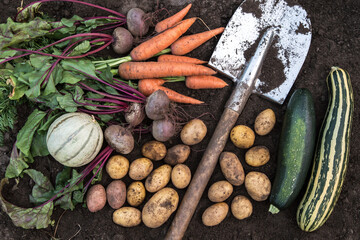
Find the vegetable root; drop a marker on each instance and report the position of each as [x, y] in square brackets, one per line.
[172, 20]
[174, 58]
[204, 82]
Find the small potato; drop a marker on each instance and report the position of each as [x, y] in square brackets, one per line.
[140, 168]
[231, 168]
[257, 156]
[215, 214]
[241, 207]
[220, 191]
[158, 179]
[135, 193]
[193, 132]
[258, 186]
[181, 176]
[242, 136]
[154, 150]
[160, 207]
[127, 217]
[117, 167]
[177, 154]
[96, 198]
[265, 122]
[116, 194]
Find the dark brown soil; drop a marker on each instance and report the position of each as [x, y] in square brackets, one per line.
[336, 41]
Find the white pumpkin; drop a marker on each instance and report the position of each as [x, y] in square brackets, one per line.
[74, 139]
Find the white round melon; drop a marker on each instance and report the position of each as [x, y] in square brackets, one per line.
[74, 139]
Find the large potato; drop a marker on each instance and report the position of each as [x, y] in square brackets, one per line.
[215, 214]
[158, 179]
[193, 132]
[117, 167]
[116, 194]
[181, 176]
[242, 136]
[232, 168]
[177, 154]
[257, 156]
[220, 191]
[127, 217]
[241, 207]
[160, 207]
[96, 198]
[154, 150]
[265, 122]
[257, 185]
[140, 168]
[135, 193]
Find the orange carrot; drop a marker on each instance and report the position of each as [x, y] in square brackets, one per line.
[172, 20]
[174, 58]
[140, 70]
[161, 41]
[204, 82]
[147, 86]
[188, 43]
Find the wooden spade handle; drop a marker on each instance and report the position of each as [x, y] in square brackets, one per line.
[202, 175]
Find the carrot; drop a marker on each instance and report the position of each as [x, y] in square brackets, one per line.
[148, 86]
[172, 20]
[204, 82]
[140, 70]
[188, 43]
[174, 58]
[161, 41]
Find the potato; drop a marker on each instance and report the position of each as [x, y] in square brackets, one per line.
[241, 207]
[160, 207]
[257, 156]
[215, 214]
[265, 122]
[242, 136]
[116, 194]
[127, 217]
[96, 198]
[181, 176]
[220, 191]
[135, 193]
[193, 132]
[154, 150]
[140, 168]
[158, 179]
[177, 154]
[231, 168]
[257, 185]
[117, 167]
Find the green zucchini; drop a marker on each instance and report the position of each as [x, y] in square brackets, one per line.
[296, 149]
[331, 154]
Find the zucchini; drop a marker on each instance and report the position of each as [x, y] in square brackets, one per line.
[331, 154]
[296, 149]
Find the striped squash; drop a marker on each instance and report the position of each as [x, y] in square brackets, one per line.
[331, 154]
[74, 139]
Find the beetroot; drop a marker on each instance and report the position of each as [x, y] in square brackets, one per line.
[163, 129]
[119, 138]
[135, 114]
[123, 40]
[137, 22]
[157, 105]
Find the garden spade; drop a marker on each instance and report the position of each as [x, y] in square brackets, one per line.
[268, 26]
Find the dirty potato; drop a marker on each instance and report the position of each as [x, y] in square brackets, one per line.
[127, 217]
[160, 207]
[242, 136]
[241, 207]
[96, 198]
[177, 154]
[117, 167]
[232, 168]
[140, 168]
[158, 179]
[265, 122]
[135, 193]
[193, 132]
[154, 150]
[220, 191]
[257, 185]
[181, 176]
[215, 214]
[116, 194]
[257, 156]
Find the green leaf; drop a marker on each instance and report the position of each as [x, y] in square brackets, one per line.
[28, 13]
[42, 190]
[38, 145]
[106, 75]
[85, 66]
[62, 178]
[71, 77]
[19, 88]
[17, 164]
[39, 61]
[69, 22]
[67, 103]
[98, 176]
[81, 48]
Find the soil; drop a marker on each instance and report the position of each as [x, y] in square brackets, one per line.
[335, 42]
